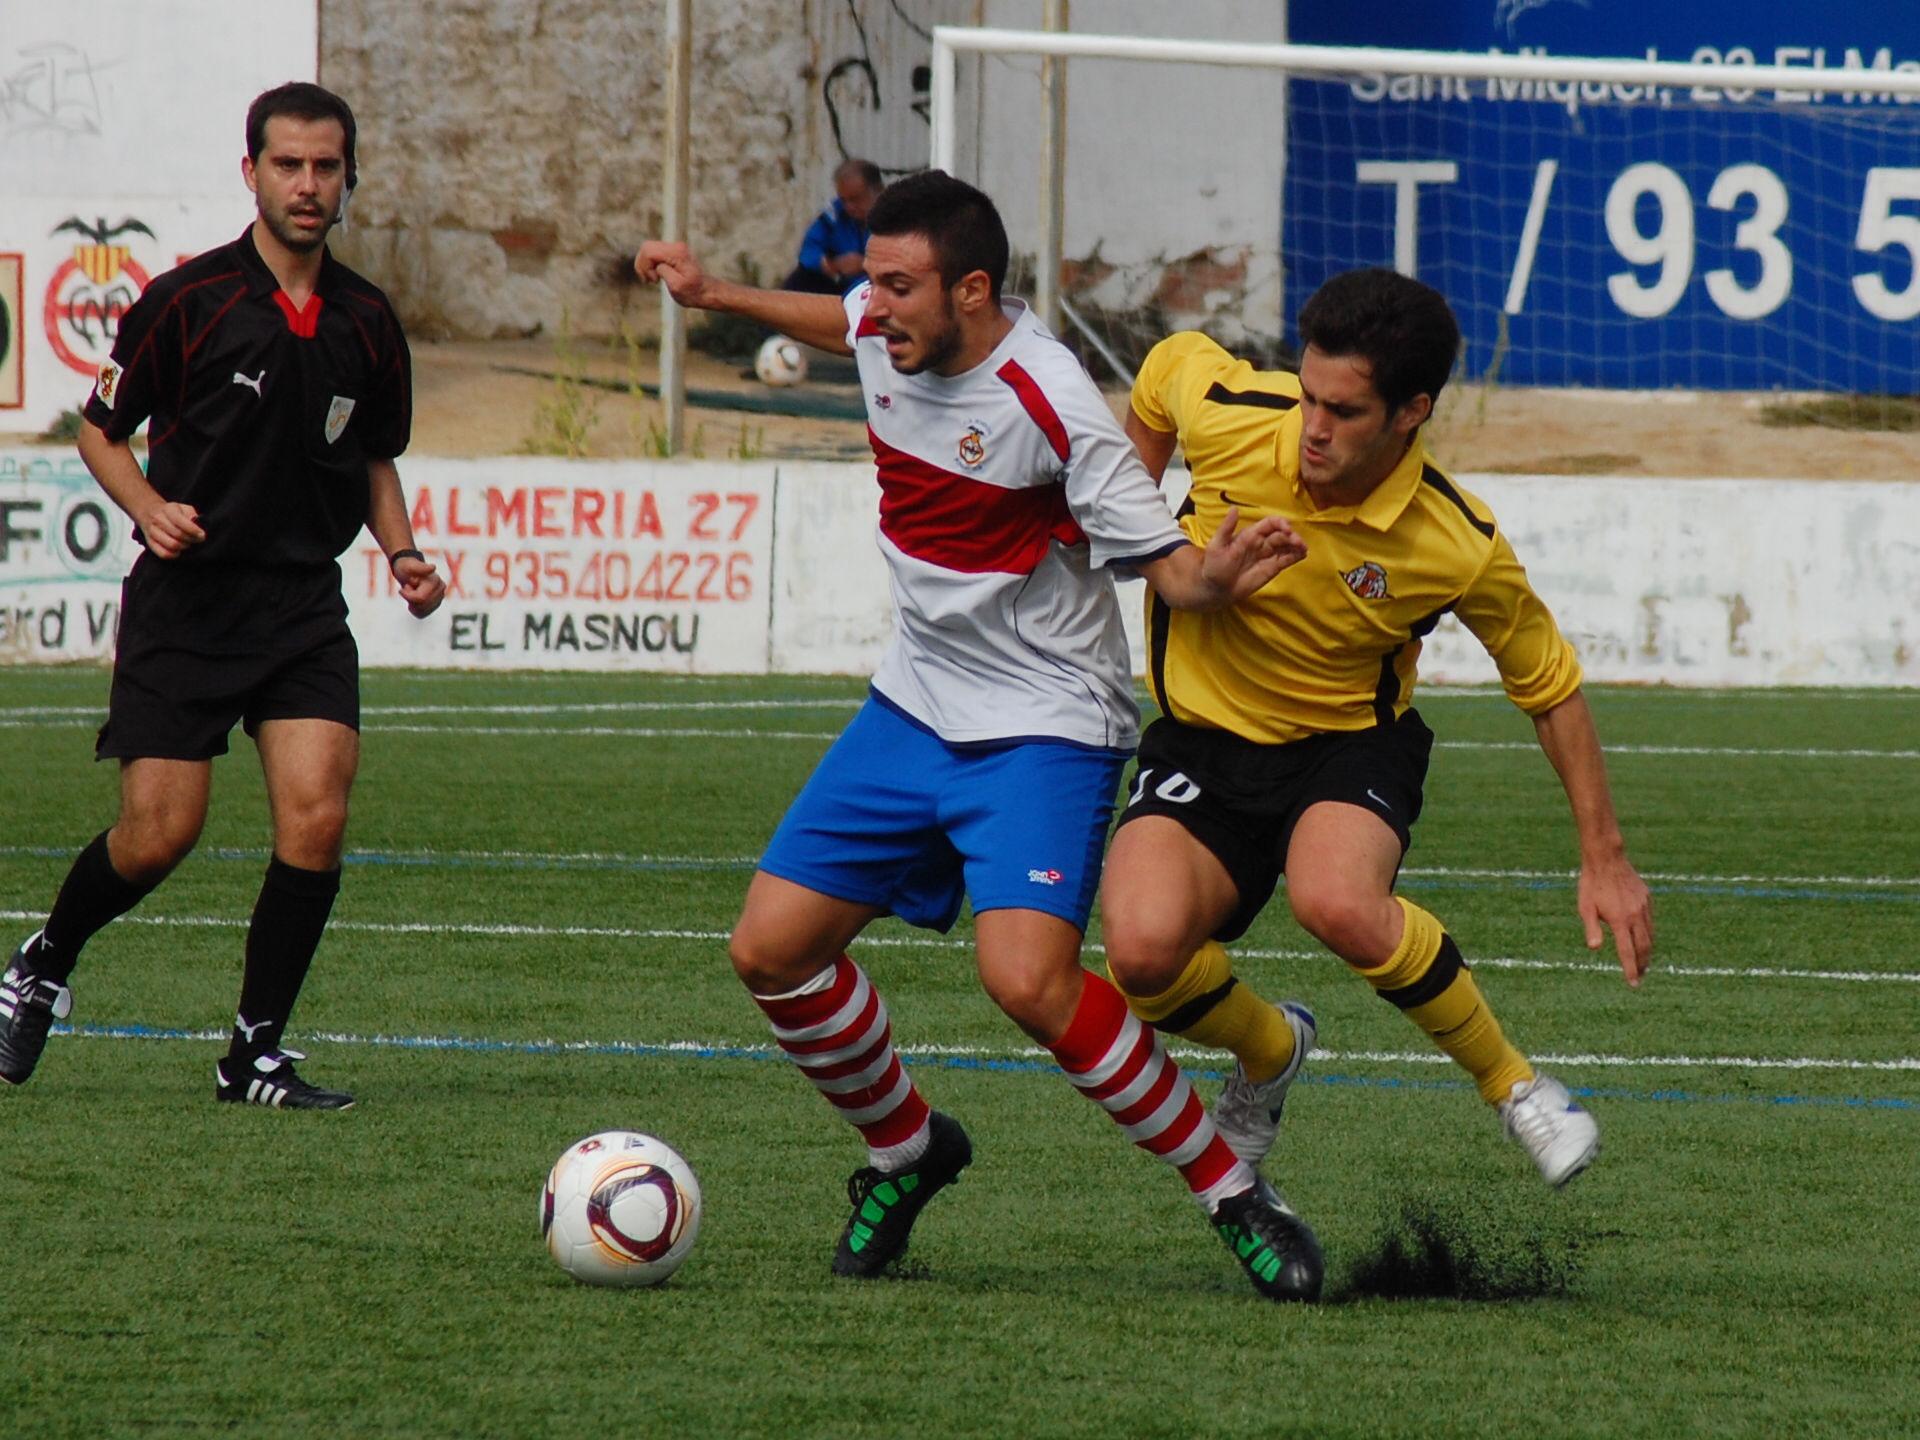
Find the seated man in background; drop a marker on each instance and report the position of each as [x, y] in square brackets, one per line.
[834, 249]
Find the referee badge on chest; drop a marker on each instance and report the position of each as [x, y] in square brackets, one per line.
[338, 414]
[1367, 580]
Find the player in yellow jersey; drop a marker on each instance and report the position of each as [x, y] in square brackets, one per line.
[1289, 743]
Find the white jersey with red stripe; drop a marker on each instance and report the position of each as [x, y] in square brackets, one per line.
[1005, 494]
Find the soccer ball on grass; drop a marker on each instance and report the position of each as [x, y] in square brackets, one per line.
[620, 1208]
[781, 361]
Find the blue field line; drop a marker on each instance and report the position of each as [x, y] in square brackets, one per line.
[1006, 1065]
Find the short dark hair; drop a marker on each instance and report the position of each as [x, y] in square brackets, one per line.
[868, 172]
[1403, 330]
[960, 223]
[300, 101]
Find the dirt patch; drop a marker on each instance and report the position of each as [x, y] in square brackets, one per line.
[471, 399]
[1678, 433]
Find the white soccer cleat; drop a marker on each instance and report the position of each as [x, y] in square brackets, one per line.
[1560, 1136]
[1248, 1115]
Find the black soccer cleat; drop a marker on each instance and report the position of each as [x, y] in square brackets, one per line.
[886, 1202]
[1276, 1248]
[29, 1004]
[270, 1080]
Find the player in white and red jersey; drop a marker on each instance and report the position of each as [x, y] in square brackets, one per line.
[986, 762]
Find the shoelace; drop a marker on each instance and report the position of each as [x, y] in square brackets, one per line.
[861, 1184]
[1528, 1121]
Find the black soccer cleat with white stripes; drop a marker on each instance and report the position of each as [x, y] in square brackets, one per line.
[29, 1004]
[270, 1080]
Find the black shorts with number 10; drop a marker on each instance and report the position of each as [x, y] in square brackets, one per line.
[1241, 800]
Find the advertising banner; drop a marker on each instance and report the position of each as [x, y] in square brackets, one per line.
[565, 564]
[64, 549]
[720, 568]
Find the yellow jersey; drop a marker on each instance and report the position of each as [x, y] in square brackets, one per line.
[1333, 643]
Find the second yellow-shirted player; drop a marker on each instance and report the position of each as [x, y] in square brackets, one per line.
[1289, 744]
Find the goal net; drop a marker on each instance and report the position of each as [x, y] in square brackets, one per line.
[1623, 224]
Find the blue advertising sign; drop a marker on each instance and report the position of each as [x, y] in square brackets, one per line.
[1629, 236]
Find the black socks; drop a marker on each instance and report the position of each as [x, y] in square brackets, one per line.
[93, 895]
[288, 920]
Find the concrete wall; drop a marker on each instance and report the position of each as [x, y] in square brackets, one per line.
[511, 149]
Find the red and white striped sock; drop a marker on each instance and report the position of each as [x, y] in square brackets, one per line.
[835, 1028]
[1119, 1063]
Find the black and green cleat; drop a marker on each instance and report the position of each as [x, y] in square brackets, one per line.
[1276, 1248]
[887, 1202]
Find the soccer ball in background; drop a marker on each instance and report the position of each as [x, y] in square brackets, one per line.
[620, 1208]
[781, 361]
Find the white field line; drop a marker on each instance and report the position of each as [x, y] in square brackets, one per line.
[612, 707]
[635, 732]
[1807, 753]
[1671, 877]
[608, 856]
[908, 942]
[1036, 1052]
[33, 720]
[1905, 694]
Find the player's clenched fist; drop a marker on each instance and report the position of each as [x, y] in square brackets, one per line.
[420, 585]
[171, 529]
[671, 263]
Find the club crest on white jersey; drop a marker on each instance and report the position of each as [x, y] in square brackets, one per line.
[973, 444]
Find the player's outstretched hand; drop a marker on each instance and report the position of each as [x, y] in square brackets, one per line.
[420, 585]
[171, 528]
[671, 263]
[1241, 559]
[1613, 895]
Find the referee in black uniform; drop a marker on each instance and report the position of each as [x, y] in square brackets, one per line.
[279, 389]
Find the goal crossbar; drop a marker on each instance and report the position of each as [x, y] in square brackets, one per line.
[1796, 81]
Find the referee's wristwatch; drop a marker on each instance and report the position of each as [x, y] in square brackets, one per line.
[409, 554]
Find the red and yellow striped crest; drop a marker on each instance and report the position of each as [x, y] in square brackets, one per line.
[101, 263]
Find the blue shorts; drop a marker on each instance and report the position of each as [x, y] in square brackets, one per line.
[896, 817]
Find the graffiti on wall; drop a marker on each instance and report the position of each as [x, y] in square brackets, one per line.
[876, 88]
[51, 89]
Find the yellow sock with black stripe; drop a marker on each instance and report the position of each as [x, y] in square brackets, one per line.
[1426, 978]
[1209, 1006]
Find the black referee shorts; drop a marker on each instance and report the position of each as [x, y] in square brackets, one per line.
[203, 646]
[1241, 800]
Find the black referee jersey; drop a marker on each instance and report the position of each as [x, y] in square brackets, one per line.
[263, 416]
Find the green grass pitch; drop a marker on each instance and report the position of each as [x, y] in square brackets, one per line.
[1744, 1259]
